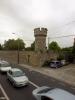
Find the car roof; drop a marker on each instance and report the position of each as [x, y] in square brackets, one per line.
[60, 94]
[3, 62]
[15, 69]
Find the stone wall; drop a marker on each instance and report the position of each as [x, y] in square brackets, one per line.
[27, 57]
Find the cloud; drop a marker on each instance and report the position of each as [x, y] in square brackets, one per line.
[22, 16]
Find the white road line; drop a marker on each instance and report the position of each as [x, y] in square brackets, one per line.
[4, 93]
[33, 84]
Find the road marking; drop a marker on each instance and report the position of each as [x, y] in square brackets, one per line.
[33, 84]
[4, 93]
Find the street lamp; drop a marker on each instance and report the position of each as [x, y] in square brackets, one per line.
[17, 51]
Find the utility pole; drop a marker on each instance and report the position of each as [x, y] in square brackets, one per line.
[17, 51]
[48, 42]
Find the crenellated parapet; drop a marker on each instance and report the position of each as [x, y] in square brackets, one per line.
[40, 32]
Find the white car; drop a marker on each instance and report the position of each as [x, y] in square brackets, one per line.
[4, 66]
[17, 77]
[47, 93]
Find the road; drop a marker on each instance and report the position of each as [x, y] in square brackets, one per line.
[36, 79]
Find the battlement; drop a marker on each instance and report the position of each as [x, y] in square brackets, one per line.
[44, 30]
[40, 31]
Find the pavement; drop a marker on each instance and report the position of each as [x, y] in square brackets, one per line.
[65, 73]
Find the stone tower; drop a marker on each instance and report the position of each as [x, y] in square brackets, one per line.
[40, 39]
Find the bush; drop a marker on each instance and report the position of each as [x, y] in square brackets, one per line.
[46, 63]
[60, 57]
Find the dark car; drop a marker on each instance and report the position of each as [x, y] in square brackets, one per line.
[55, 64]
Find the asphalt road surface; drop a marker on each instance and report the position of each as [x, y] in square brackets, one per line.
[36, 80]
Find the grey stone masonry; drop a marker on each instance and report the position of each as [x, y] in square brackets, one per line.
[40, 39]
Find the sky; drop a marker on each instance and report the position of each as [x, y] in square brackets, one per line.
[22, 16]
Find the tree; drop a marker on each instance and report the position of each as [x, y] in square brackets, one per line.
[28, 48]
[12, 44]
[20, 43]
[68, 55]
[73, 51]
[54, 46]
[1, 47]
[33, 46]
[67, 49]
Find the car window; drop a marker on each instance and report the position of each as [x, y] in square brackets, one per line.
[45, 98]
[45, 90]
[10, 72]
[57, 62]
[4, 64]
[18, 73]
[52, 62]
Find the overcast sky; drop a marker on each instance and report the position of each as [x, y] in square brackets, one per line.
[22, 16]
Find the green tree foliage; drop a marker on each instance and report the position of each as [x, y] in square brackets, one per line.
[73, 50]
[68, 54]
[12, 44]
[67, 49]
[20, 43]
[60, 57]
[54, 46]
[33, 46]
[28, 48]
[1, 47]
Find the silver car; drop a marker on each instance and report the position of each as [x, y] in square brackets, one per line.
[55, 64]
[47, 93]
[4, 66]
[17, 77]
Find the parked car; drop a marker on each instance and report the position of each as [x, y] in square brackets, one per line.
[48, 93]
[17, 77]
[4, 66]
[55, 64]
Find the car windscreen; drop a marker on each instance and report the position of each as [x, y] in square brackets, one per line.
[45, 90]
[18, 73]
[4, 65]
